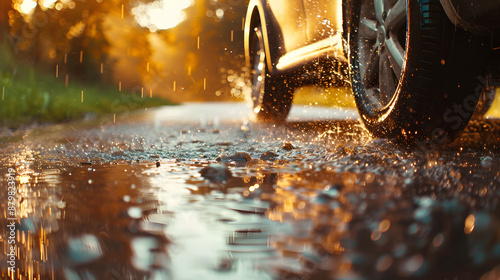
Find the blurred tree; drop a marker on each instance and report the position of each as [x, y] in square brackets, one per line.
[130, 52]
[5, 7]
[210, 43]
[69, 35]
[224, 32]
[93, 40]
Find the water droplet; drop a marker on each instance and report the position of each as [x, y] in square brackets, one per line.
[135, 212]
[384, 263]
[469, 224]
[400, 250]
[413, 264]
[384, 225]
[438, 240]
[376, 234]
[84, 249]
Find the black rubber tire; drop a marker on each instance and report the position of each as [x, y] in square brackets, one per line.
[438, 88]
[271, 97]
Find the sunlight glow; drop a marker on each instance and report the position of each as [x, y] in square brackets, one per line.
[27, 7]
[161, 14]
[48, 4]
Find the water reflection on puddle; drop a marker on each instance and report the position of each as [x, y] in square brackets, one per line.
[265, 221]
[84, 222]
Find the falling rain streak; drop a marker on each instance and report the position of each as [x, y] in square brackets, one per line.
[469, 224]
[306, 209]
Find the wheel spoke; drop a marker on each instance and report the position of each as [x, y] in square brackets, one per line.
[395, 54]
[386, 78]
[368, 29]
[258, 70]
[379, 10]
[396, 16]
[381, 48]
[373, 95]
[371, 66]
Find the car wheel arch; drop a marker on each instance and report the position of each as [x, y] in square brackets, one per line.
[257, 13]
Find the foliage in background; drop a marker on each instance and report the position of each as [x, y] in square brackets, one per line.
[101, 41]
[201, 58]
[70, 34]
[32, 95]
[52, 56]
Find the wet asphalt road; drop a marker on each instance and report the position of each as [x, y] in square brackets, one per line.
[198, 192]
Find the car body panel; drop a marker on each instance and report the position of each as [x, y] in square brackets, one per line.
[291, 17]
[261, 10]
[324, 19]
[330, 47]
[479, 17]
[298, 33]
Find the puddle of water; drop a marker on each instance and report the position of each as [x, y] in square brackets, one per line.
[263, 220]
[83, 222]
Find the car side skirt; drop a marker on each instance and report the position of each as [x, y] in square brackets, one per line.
[472, 19]
[330, 47]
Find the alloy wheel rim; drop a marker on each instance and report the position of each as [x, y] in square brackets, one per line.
[258, 70]
[381, 46]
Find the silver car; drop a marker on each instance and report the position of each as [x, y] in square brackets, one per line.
[418, 68]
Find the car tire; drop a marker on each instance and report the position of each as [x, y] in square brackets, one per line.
[414, 74]
[271, 95]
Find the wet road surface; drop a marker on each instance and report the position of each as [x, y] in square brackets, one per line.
[197, 192]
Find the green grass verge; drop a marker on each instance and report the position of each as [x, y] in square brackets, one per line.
[29, 95]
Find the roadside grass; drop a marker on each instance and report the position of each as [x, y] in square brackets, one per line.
[30, 95]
